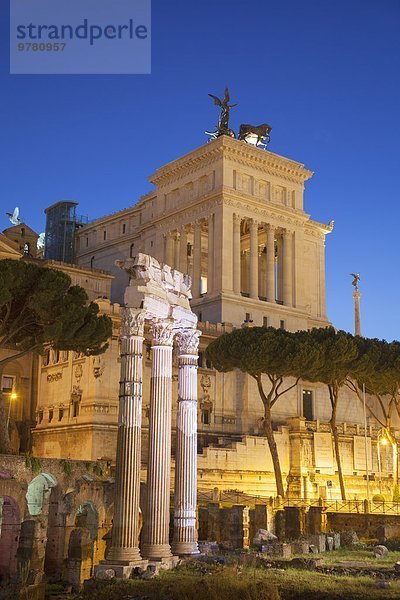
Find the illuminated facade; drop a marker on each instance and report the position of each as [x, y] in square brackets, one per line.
[232, 215]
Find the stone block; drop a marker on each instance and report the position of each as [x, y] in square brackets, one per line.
[380, 551]
[336, 541]
[301, 547]
[286, 550]
[329, 543]
[319, 540]
[208, 547]
[388, 532]
[106, 575]
[348, 538]
[263, 537]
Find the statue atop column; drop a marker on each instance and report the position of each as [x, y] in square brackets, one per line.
[356, 297]
[223, 121]
[356, 279]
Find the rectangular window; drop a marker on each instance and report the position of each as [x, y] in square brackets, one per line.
[75, 408]
[206, 416]
[308, 411]
[7, 384]
[104, 235]
[124, 228]
[87, 242]
[60, 414]
[265, 322]
[282, 324]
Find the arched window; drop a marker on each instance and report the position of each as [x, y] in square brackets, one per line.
[132, 251]
[92, 262]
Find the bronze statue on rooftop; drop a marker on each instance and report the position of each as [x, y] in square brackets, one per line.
[223, 121]
[257, 135]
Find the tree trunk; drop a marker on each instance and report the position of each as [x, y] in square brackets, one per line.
[5, 442]
[337, 450]
[273, 449]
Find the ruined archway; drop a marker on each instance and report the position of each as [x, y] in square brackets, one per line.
[82, 544]
[56, 531]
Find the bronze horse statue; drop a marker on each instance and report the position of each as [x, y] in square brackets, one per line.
[261, 131]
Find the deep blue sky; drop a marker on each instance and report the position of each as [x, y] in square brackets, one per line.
[324, 74]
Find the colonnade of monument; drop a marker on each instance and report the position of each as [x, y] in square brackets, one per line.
[157, 298]
[263, 257]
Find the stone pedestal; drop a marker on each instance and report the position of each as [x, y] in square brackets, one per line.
[156, 528]
[357, 315]
[124, 551]
[185, 531]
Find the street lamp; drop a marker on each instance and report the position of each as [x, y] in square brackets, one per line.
[13, 396]
[382, 440]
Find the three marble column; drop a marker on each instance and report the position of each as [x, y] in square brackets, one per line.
[125, 533]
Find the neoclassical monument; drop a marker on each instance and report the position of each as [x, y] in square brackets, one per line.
[233, 217]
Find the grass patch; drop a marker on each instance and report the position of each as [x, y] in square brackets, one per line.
[306, 585]
[225, 584]
[342, 555]
[197, 580]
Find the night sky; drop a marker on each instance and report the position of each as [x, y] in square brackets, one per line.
[324, 74]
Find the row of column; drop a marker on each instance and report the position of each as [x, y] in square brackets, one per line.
[176, 244]
[285, 261]
[155, 537]
[176, 252]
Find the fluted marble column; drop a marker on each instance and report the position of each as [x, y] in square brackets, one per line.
[156, 528]
[210, 255]
[271, 288]
[236, 254]
[177, 246]
[196, 260]
[253, 259]
[169, 249]
[125, 530]
[185, 530]
[287, 268]
[183, 262]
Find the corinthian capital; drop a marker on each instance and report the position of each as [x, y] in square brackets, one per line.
[132, 322]
[162, 332]
[187, 341]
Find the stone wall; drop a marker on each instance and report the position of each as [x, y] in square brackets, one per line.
[376, 526]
